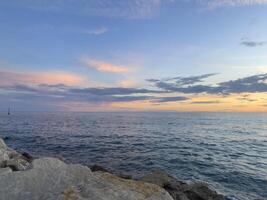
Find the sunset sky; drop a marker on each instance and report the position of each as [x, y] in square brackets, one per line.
[133, 55]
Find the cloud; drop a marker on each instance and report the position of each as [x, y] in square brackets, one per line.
[205, 102]
[249, 43]
[97, 31]
[61, 92]
[103, 66]
[8, 77]
[212, 4]
[129, 9]
[169, 99]
[251, 84]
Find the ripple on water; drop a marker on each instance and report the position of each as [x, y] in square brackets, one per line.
[228, 150]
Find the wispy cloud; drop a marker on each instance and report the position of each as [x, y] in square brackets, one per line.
[251, 84]
[212, 4]
[205, 102]
[250, 43]
[104, 66]
[8, 77]
[129, 9]
[170, 99]
[96, 31]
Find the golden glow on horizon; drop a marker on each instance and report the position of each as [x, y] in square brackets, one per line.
[255, 102]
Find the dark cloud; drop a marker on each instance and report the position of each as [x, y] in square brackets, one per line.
[205, 102]
[61, 92]
[182, 81]
[55, 94]
[249, 43]
[169, 99]
[251, 84]
[113, 91]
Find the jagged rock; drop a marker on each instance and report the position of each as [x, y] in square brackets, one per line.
[96, 167]
[28, 157]
[180, 190]
[2, 144]
[161, 178]
[17, 164]
[3, 153]
[52, 179]
[203, 190]
[115, 187]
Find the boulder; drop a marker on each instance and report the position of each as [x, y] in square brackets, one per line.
[5, 170]
[2, 144]
[52, 179]
[203, 190]
[112, 187]
[3, 153]
[181, 190]
[17, 164]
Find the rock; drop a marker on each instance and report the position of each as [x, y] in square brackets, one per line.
[47, 179]
[161, 178]
[203, 190]
[3, 156]
[5, 170]
[125, 176]
[52, 179]
[27, 157]
[112, 187]
[96, 167]
[2, 144]
[181, 190]
[17, 164]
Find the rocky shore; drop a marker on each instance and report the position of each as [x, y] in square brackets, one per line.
[23, 177]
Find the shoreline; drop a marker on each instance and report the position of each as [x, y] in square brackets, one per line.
[25, 177]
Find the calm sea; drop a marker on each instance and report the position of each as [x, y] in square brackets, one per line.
[227, 150]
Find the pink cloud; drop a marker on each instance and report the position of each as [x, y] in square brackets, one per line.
[11, 77]
[104, 66]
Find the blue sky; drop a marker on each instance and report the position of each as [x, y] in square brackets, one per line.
[121, 43]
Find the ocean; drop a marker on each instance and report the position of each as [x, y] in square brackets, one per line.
[227, 150]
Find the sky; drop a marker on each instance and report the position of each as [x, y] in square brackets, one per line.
[133, 55]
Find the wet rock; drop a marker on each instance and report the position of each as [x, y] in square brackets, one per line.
[181, 190]
[125, 176]
[203, 190]
[27, 157]
[162, 179]
[96, 167]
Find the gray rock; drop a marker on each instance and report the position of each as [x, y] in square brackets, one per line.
[2, 144]
[4, 153]
[52, 179]
[5, 170]
[181, 190]
[17, 164]
[203, 190]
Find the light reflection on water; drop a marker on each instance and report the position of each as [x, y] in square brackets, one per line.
[228, 150]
